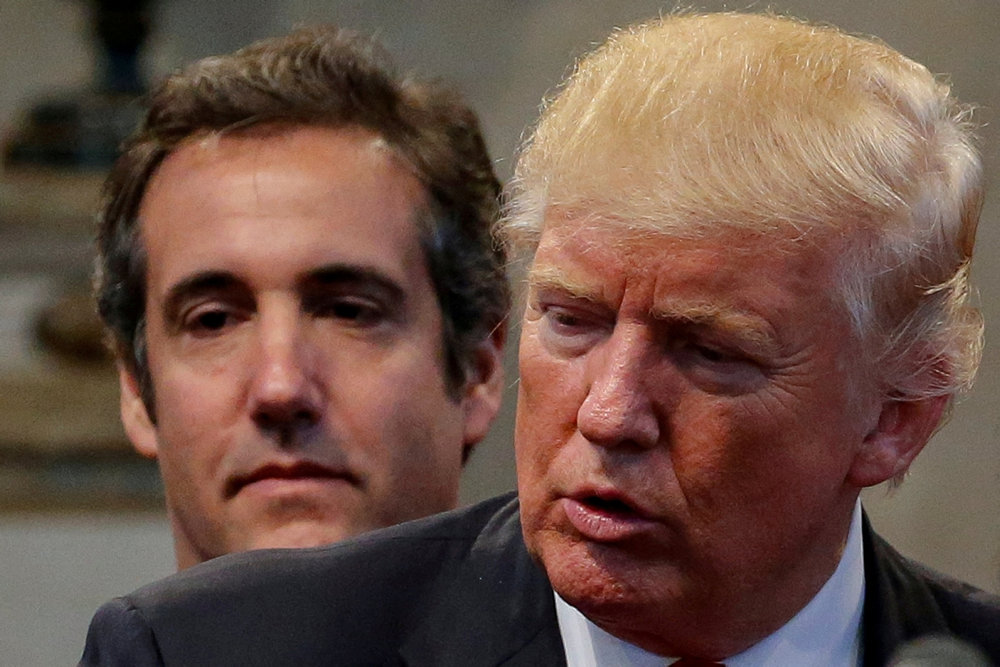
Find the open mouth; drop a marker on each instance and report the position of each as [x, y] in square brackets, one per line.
[608, 505]
[605, 517]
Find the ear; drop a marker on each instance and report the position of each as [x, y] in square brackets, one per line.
[903, 428]
[484, 390]
[138, 426]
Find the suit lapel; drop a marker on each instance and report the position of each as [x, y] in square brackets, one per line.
[898, 606]
[493, 607]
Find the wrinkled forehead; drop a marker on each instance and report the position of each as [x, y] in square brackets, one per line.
[635, 223]
[735, 281]
[607, 228]
[569, 236]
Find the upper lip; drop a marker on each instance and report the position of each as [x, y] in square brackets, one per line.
[611, 496]
[295, 470]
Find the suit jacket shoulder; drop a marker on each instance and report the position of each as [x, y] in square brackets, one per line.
[454, 589]
[905, 600]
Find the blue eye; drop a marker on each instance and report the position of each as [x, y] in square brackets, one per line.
[695, 352]
[570, 331]
[564, 319]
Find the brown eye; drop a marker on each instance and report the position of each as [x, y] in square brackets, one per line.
[354, 311]
[348, 311]
[212, 320]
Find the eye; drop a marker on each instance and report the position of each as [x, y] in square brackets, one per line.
[212, 320]
[712, 354]
[356, 311]
[209, 319]
[694, 351]
[564, 320]
[569, 330]
[716, 368]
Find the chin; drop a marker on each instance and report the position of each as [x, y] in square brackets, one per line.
[576, 574]
[299, 535]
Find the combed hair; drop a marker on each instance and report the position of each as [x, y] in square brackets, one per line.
[319, 76]
[694, 125]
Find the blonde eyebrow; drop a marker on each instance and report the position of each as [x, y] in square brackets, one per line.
[750, 329]
[552, 278]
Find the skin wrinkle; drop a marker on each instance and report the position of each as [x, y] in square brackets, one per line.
[842, 71]
[771, 406]
[690, 172]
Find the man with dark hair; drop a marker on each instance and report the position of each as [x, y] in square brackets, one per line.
[307, 307]
[748, 243]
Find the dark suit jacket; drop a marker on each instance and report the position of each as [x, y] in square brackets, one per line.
[456, 589]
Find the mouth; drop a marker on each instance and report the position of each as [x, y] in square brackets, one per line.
[303, 471]
[605, 516]
[608, 505]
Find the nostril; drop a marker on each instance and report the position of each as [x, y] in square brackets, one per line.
[266, 420]
[306, 417]
[275, 415]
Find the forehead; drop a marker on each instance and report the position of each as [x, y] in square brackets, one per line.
[691, 277]
[304, 194]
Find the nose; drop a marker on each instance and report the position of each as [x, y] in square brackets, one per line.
[284, 395]
[618, 410]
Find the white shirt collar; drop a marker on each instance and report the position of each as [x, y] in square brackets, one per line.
[827, 631]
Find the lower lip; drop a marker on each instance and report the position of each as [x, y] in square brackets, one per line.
[599, 525]
[279, 486]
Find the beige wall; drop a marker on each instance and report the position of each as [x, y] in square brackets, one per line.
[504, 55]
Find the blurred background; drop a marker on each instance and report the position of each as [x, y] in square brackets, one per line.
[80, 517]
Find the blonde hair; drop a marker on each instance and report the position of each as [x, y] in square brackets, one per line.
[695, 125]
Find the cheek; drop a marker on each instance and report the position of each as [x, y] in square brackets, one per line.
[550, 392]
[192, 389]
[196, 412]
[192, 403]
[722, 449]
[403, 414]
[547, 404]
[756, 452]
[411, 451]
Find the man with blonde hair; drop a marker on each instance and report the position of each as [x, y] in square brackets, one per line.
[747, 242]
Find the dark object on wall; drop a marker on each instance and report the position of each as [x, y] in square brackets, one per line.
[85, 129]
[62, 447]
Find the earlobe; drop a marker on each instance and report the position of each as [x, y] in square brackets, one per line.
[135, 418]
[484, 392]
[903, 428]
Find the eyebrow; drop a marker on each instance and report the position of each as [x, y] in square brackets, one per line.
[751, 330]
[204, 282]
[352, 274]
[552, 278]
[192, 285]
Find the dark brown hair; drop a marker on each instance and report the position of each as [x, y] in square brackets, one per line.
[321, 76]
